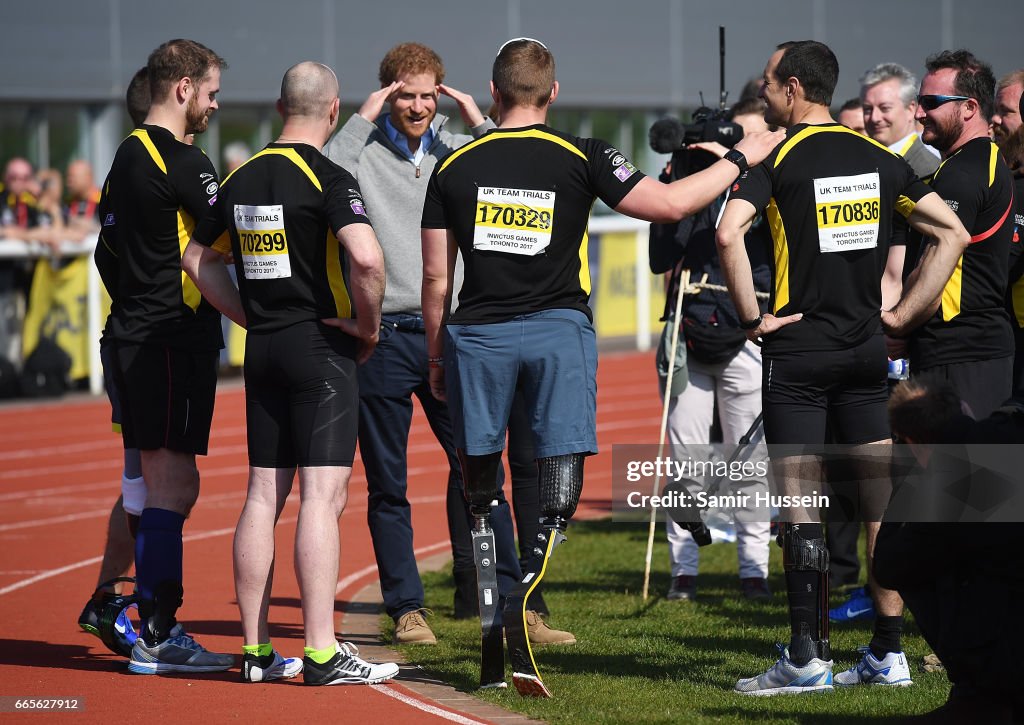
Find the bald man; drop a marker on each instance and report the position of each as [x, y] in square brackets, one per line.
[308, 327]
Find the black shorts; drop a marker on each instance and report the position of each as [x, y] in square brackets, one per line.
[802, 391]
[167, 396]
[108, 359]
[983, 384]
[301, 397]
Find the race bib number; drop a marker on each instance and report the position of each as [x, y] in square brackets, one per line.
[263, 241]
[516, 221]
[847, 210]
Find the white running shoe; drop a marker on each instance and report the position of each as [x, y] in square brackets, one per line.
[271, 667]
[891, 670]
[786, 678]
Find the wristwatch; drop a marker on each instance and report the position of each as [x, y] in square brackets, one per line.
[737, 158]
[754, 323]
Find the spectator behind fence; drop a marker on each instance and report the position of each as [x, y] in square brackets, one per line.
[18, 212]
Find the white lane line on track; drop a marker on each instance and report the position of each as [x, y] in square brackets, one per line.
[198, 536]
[420, 705]
[367, 570]
[206, 473]
[97, 513]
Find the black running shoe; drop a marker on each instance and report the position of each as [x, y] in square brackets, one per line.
[346, 668]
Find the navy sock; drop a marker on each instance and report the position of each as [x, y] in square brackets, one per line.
[157, 554]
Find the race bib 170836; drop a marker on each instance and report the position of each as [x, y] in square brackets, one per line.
[847, 211]
[263, 241]
[517, 221]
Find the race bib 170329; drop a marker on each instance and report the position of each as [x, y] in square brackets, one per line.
[263, 241]
[517, 221]
[847, 210]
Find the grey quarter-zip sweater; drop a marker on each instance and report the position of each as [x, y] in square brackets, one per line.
[393, 189]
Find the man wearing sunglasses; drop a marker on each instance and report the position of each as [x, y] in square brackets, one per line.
[968, 340]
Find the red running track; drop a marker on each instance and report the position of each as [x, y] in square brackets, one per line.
[60, 469]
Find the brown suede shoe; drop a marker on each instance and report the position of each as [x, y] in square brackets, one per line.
[540, 633]
[412, 628]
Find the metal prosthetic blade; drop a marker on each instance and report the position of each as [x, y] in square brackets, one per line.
[492, 651]
[525, 678]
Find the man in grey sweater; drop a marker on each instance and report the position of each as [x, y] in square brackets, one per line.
[392, 155]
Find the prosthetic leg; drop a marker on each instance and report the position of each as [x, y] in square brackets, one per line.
[480, 474]
[561, 482]
[808, 554]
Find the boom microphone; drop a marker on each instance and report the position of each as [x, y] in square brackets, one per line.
[667, 136]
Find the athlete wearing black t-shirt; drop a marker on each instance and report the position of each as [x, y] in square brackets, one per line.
[307, 263]
[829, 196]
[968, 340]
[167, 339]
[515, 204]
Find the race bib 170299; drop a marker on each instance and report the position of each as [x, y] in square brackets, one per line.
[517, 221]
[847, 210]
[263, 241]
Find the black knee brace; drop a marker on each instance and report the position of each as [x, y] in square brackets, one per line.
[480, 477]
[800, 554]
[561, 483]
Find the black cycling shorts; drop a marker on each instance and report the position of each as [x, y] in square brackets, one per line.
[167, 396]
[301, 397]
[847, 389]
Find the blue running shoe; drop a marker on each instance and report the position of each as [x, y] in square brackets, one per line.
[858, 606]
[786, 678]
[124, 628]
[891, 670]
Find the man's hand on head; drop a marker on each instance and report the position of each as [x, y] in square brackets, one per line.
[374, 103]
[468, 109]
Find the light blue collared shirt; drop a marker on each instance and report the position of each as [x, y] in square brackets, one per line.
[400, 140]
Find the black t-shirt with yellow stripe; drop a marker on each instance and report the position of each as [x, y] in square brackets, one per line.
[972, 322]
[279, 215]
[518, 201]
[829, 195]
[156, 190]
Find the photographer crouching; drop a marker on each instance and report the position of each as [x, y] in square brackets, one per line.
[720, 362]
[962, 581]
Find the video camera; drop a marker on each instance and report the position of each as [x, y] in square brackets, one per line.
[669, 136]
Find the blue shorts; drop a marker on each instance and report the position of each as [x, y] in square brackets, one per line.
[550, 356]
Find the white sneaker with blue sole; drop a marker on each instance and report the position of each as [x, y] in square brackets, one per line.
[784, 678]
[271, 667]
[892, 670]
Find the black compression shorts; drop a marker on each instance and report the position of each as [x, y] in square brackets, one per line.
[801, 391]
[301, 397]
[167, 396]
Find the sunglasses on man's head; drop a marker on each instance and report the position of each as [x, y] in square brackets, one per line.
[931, 102]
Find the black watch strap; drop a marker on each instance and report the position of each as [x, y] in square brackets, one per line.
[752, 324]
[737, 158]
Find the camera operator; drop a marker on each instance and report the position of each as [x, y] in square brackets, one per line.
[722, 363]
